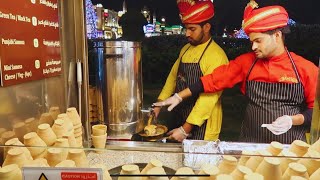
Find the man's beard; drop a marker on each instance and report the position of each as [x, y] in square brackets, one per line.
[196, 42]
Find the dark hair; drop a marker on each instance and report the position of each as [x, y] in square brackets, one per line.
[210, 21]
[285, 30]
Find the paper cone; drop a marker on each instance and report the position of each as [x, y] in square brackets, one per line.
[61, 142]
[67, 121]
[157, 171]
[99, 129]
[74, 116]
[153, 163]
[54, 156]
[32, 139]
[15, 142]
[227, 165]
[11, 171]
[254, 161]
[129, 169]
[79, 157]
[240, 172]
[99, 142]
[71, 139]
[275, 148]
[46, 134]
[295, 169]
[184, 171]
[270, 168]
[299, 147]
[209, 169]
[59, 128]
[15, 156]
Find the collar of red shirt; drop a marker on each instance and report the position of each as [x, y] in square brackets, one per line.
[280, 57]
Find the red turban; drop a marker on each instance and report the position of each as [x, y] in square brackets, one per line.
[195, 11]
[263, 19]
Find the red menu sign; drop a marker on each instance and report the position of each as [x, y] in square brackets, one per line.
[30, 43]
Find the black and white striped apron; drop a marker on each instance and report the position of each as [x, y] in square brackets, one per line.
[267, 102]
[188, 74]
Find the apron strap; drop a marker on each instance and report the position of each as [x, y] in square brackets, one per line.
[293, 65]
[205, 49]
[255, 61]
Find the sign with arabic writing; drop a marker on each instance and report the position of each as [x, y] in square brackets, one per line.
[30, 41]
[46, 173]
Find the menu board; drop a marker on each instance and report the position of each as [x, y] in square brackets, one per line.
[30, 43]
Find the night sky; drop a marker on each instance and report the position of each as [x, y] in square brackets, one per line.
[228, 13]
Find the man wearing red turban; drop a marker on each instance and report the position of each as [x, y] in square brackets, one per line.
[279, 85]
[200, 116]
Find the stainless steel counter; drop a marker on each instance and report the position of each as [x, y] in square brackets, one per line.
[144, 146]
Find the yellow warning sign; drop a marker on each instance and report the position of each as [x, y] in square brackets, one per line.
[43, 177]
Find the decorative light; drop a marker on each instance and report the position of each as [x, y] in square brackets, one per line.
[91, 20]
[291, 22]
[241, 34]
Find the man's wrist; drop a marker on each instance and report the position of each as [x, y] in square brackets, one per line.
[187, 127]
[178, 97]
[183, 131]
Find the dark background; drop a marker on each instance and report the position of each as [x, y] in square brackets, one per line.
[228, 13]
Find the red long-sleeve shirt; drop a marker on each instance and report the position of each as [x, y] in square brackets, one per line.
[275, 69]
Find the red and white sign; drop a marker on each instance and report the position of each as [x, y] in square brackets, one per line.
[78, 176]
[32, 173]
[29, 40]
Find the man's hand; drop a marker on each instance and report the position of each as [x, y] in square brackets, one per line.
[284, 122]
[178, 134]
[280, 126]
[172, 102]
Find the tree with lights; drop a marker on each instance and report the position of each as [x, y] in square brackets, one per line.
[91, 19]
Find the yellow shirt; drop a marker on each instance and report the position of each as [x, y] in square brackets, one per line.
[208, 105]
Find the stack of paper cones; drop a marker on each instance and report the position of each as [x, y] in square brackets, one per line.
[99, 137]
[77, 125]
